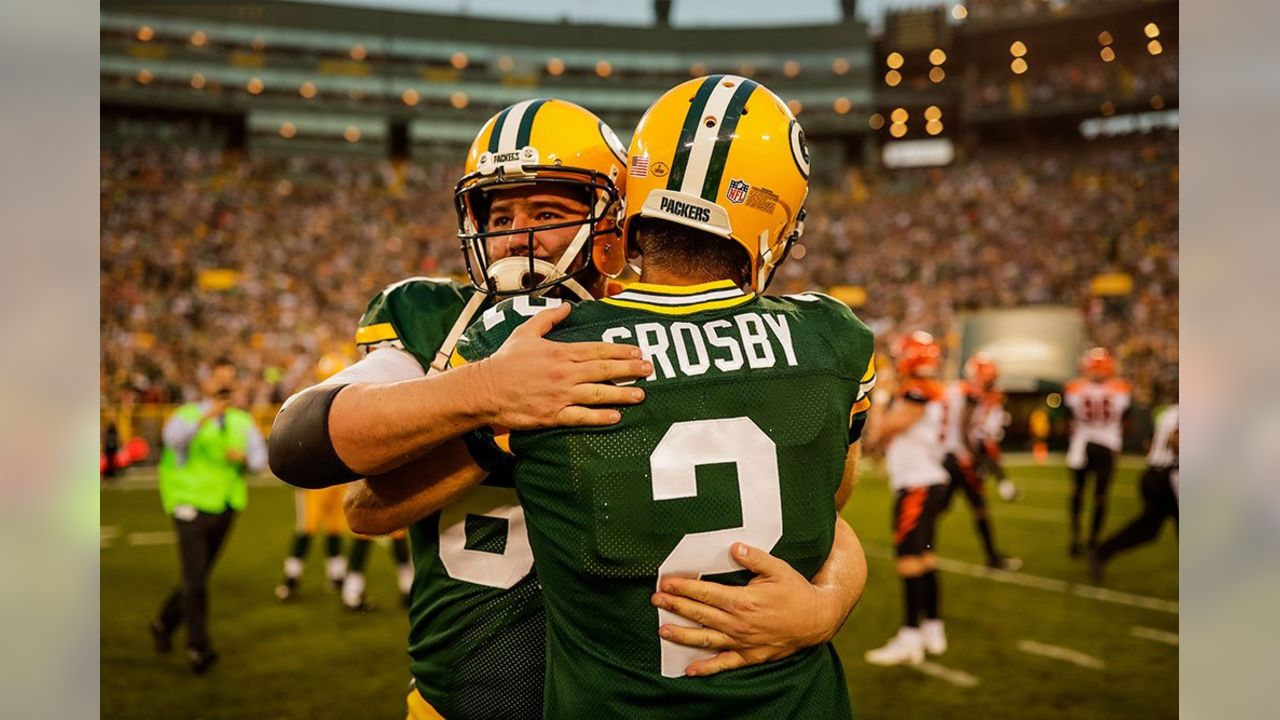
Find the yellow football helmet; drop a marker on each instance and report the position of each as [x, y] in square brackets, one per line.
[724, 155]
[543, 141]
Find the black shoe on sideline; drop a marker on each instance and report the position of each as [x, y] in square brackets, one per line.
[201, 660]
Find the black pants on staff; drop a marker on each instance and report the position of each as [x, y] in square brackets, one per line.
[199, 541]
[1159, 502]
[1101, 463]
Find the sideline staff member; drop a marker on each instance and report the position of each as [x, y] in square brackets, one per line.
[208, 446]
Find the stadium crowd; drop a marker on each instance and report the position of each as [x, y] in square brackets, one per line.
[275, 257]
[1073, 79]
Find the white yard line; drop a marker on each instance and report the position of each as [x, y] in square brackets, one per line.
[163, 537]
[1043, 583]
[1057, 652]
[1147, 633]
[958, 678]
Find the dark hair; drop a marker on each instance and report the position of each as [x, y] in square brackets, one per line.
[223, 361]
[700, 255]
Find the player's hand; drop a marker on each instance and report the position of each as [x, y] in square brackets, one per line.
[775, 615]
[533, 383]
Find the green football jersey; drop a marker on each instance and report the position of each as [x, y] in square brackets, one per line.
[743, 434]
[476, 619]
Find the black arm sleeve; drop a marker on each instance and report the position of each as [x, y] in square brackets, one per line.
[299, 450]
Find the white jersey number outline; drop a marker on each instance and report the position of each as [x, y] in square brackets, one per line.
[673, 464]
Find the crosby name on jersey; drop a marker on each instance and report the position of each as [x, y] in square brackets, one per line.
[743, 434]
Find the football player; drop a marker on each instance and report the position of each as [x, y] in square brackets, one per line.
[353, 584]
[986, 430]
[477, 628]
[912, 431]
[963, 400]
[743, 440]
[317, 510]
[1159, 495]
[1097, 402]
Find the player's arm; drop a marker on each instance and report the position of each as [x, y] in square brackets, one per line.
[775, 615]
[897, 418]
[337, 433]
[849, 478]
[385, 503]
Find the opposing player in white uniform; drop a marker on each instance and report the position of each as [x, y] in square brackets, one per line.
[912, 431]
[1159, 495]
[1098, 402]
[963, 399]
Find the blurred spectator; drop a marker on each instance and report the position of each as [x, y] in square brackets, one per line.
[312, 239]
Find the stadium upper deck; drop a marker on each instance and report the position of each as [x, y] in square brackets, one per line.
[297, 76]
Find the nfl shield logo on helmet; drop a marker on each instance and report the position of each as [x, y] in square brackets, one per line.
[737, 191]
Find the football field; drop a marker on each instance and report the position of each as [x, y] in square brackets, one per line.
[1036, 644]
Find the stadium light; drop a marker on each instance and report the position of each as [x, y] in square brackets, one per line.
[791, 68]
[932, 113]
[698, 69]
[933, 127]
[197, 81]
[937, 75]
[410, 97]
[288, 130]
[892, 78]
[795, 105]
[604, 69]
[255, 86]
[897, 130]
[746, 69]
[1108, 108]
[458, 60]
[358, 52]
[1107, 54]
[145, 33]
[842, 105]
[937, 56]
[199, 39]
[959, 12]
[258, 44]
[1152, 30]
[899, 116]
[1104, 38]
[351, 134]
[308, 90]
[145, 77]
[1018, 66]
[1018, 49]
[894, 60]
[840, 66]
[1054, 400]
[1157, 102]
[876, 121]
[506, 63]
[458, 100]
[555, 66]
[1154, 47]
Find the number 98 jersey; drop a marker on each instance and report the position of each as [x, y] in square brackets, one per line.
[742, 436]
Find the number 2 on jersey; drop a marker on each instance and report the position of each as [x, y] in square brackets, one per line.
[684, 447]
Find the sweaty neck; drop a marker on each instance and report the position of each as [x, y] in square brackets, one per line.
[678, 277]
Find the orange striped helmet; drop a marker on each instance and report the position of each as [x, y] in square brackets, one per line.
[917, 355]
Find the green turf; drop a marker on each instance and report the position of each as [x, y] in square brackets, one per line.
[312, 660]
